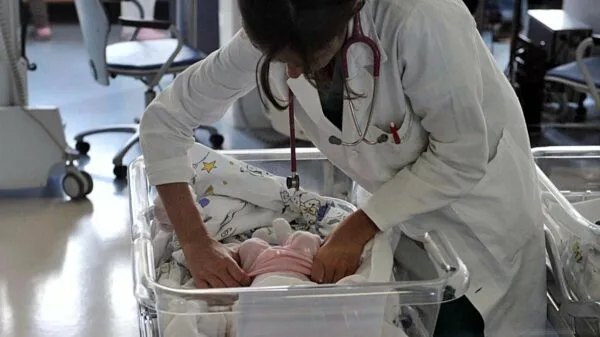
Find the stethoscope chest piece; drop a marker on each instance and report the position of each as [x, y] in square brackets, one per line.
[293, 181]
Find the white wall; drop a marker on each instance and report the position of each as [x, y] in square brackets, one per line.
[230, 20]
[586, 11]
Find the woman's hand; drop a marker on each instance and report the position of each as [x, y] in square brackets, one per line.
[214, 265]
[211, 263]
[339, 256]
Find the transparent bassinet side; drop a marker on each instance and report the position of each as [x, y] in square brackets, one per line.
[573, 170]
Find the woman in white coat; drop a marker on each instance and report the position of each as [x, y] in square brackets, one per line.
[460, 163]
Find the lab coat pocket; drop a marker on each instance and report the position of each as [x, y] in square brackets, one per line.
[501, 209]
[406, 144]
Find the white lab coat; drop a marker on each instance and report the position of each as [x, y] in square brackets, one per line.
[463, 166]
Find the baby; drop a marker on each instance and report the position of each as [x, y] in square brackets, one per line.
[288, 263]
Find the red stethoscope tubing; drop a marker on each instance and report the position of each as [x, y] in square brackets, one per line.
[294, 180]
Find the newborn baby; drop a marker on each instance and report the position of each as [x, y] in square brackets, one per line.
[288, 263]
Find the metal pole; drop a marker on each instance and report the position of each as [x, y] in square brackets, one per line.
[192, 23]
[517, 24]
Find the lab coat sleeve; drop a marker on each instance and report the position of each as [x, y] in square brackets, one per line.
[198, 96]
[442, 81]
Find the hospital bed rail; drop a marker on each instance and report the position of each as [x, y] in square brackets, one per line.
[569, 180]
[419, 298]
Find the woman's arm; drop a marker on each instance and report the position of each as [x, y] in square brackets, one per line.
[442, 79]
[199, 96]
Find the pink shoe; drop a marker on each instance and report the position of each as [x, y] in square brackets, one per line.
[145, 34]
[151, 34]
[43, 34]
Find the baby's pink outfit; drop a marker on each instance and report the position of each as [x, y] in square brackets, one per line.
[295, 256]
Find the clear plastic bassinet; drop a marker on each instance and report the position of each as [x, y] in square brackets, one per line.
[442, 275]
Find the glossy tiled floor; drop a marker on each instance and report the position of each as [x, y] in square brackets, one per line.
[65, 267]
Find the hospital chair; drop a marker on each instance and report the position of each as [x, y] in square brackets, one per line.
[146, 61]
[583, 74]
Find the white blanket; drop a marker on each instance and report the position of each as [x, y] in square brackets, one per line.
[581, 249]
[235, 199]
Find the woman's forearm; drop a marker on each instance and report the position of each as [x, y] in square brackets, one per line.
[182, 211]
[357, 228]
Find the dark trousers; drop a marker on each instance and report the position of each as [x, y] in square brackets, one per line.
[459, 318]
[39, 13]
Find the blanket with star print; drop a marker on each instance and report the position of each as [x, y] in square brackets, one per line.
[236, 198]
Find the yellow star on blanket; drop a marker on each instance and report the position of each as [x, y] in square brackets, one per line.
[209, 166]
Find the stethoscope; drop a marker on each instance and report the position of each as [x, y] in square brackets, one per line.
[357, 36]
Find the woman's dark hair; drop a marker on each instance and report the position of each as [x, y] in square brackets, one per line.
[301, 27]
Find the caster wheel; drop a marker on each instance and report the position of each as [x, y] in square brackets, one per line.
[77, 184]
[82, 147]
[90, 182]
[216, 141]
[120, 172]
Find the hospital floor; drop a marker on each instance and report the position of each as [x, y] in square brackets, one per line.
[65, 267]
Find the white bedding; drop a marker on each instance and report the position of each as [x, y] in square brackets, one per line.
[579, 245]
[235, 199]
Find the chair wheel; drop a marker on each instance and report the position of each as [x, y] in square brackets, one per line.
[120, 172]
[216, 141]
[77, 184]
[90, 184]
[82, 147]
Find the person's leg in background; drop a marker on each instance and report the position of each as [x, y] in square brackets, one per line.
[128, 9]
[459, 318]
[41, 21]
[472, 5]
